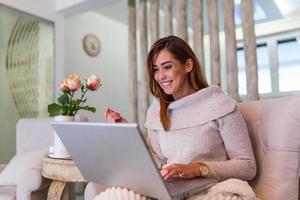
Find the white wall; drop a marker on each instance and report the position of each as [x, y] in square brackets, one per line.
[44, 9]
[76, 7]
[111, 65]
[63, 4]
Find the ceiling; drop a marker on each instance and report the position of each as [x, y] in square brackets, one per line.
[264, 10]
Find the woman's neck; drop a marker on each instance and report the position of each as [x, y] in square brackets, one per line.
[184, 93]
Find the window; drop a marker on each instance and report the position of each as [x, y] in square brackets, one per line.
[264, 77]
[288, 51]
[278, 62]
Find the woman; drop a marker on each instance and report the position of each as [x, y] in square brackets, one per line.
[194, 129]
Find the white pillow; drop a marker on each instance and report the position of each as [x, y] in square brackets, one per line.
[21, 164]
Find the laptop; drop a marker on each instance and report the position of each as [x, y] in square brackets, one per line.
[115, 154]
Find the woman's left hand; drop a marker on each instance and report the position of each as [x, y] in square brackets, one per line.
[180, 170]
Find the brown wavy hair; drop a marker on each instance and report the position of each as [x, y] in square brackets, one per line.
[182, 52]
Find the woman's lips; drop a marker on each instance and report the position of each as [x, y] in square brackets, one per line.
[166, 83]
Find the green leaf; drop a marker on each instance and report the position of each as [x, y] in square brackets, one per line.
[75, 102]
[73, 107]
[63, 99]
[65, 109]
[54, 109]
[91, 109]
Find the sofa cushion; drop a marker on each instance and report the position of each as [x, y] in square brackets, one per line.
[21, 165]
[274, 126]
[279, 176]
[8, 193]
[280, 165]
[284, 125]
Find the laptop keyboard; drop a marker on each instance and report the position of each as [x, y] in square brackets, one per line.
[174, 183]
[182, 188]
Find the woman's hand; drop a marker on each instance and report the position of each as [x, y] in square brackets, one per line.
[184, 171]
[112, 116]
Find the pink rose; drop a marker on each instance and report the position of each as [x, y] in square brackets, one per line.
[93, 82]
[64, 86]
[73, 82]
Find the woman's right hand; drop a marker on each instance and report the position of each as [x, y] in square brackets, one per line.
[112, 116]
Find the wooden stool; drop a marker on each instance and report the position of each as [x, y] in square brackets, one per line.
[61, 172]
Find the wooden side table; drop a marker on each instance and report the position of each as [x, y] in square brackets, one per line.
[61, 172]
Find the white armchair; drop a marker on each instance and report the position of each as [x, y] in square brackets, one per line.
[21, 178]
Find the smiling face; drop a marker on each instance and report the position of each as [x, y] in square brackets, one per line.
[172, 75]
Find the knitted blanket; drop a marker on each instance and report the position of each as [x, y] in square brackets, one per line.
[231, 189]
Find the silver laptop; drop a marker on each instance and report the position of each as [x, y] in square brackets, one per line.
[115, 154]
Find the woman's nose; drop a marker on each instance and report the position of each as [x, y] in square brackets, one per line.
[161, 75]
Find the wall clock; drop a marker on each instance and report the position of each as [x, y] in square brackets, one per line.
[91, 45]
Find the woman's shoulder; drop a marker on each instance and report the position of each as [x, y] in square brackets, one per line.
[208, 98]
[205, 105]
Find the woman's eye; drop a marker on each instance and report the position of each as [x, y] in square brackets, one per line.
[167, 66]
[155, 69]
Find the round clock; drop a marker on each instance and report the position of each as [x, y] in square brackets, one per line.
[91, 45]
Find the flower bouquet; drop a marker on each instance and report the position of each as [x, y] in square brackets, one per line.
[67, 104]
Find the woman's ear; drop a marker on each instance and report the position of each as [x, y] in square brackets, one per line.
[189, 65]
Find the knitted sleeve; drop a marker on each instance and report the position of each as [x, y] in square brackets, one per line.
[241, 163]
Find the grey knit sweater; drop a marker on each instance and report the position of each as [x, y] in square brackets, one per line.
[204, 127]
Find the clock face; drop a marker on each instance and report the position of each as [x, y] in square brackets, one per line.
[91, 45]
